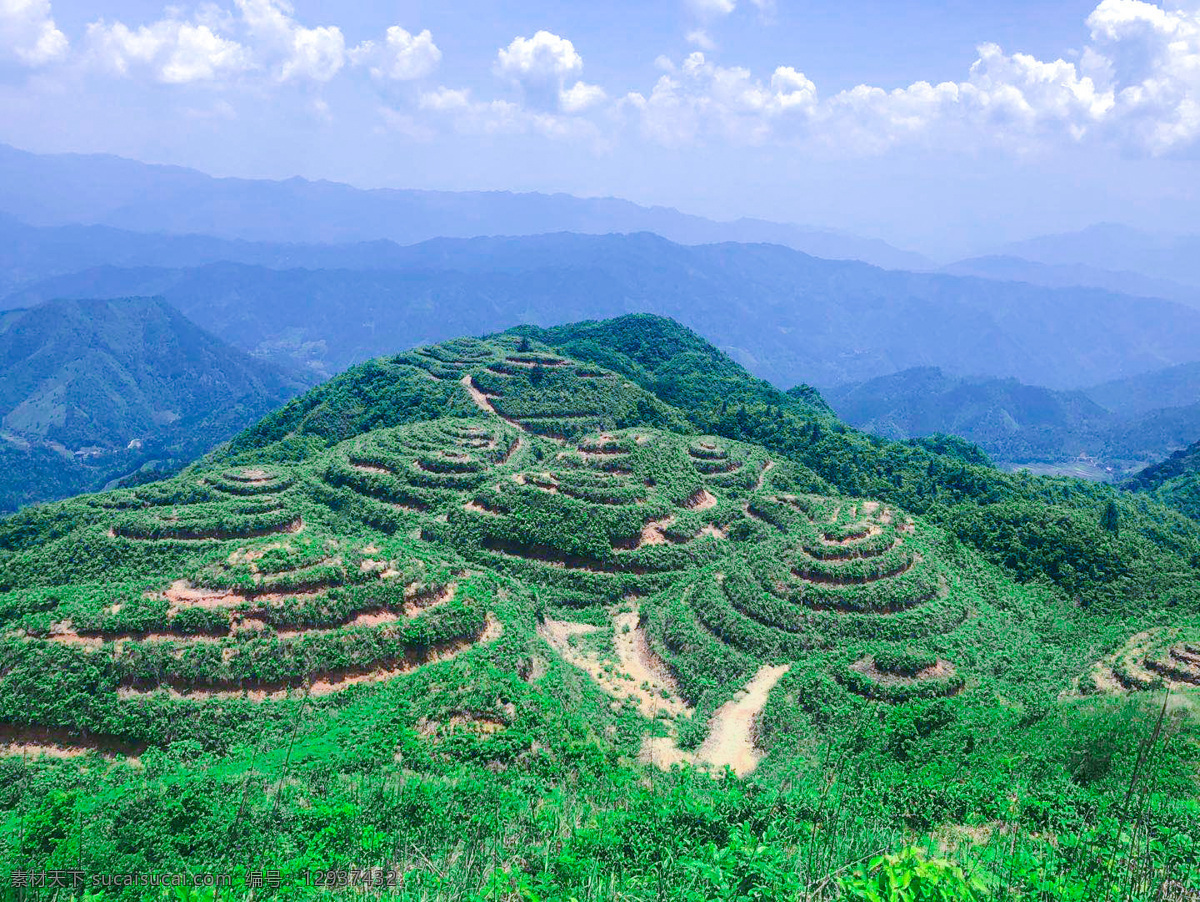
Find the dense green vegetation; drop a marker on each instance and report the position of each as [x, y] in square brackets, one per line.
[1038, 529]
[97, 390]
[1174, 482]
[535, 617]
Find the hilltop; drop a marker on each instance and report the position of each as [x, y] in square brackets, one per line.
[95, 390]
[528, 592]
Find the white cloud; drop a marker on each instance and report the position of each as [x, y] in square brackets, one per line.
[580, 96]
[402, 56]
[710, 8]
[28, 33]
[172, 51]
[543, 58]
[700, 38]
[502, 117]
[728, 102]
[298, 52]
[1137, 82]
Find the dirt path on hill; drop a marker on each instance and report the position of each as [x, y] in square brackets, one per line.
[640, 676]
[763, 475]
[55, 742]
[731, 735]
[480, 399]
[484, 403]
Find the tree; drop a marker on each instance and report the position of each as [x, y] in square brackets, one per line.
[1110, 520]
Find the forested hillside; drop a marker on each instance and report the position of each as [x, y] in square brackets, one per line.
[94, 390]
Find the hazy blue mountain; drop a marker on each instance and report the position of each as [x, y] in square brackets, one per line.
[786, 316]
[93, 390]
[1014, 422]
[1175, 386]
[1009, 420]
[1068, 275]
[65, 189]
[1116, 247]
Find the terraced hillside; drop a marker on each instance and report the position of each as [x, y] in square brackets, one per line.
[517, 569]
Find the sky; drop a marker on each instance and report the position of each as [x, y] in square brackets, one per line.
[945, 127]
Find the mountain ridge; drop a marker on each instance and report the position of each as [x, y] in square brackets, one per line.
[856, 321]
[91, 189]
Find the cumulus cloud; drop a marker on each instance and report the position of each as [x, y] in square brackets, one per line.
[1137, 82]
[542, 65]
[401, 57]
[28, 33]
[298, 52]
[543, 58]
[702, 98]
[172, 51]
[501, 117]
[580, 96]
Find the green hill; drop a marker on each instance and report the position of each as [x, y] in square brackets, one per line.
[495, 614]
[94, 390]
[1174, 482]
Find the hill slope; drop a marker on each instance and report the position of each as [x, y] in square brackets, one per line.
[101, 190]
[1176, 386]
[496, 589]
[92, 390]
[1174, 482]
[786, 316]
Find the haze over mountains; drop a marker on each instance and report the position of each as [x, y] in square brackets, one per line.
[103, 190]
[787, 316]
[1107, 246]
[320, 276]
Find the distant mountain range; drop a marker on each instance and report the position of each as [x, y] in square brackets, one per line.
[95, 390]
[1110, 424]
[1116, 249]
[70, 189]
[786, 316]
[1070, 275]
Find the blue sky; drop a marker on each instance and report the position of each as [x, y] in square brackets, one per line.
[944, 127]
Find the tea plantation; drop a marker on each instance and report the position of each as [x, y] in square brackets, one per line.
[504, 622]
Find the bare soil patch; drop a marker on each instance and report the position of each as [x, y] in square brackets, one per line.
[866, 666]
[732, 735]
[56, 742]
[701, 500]
[636, 674]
